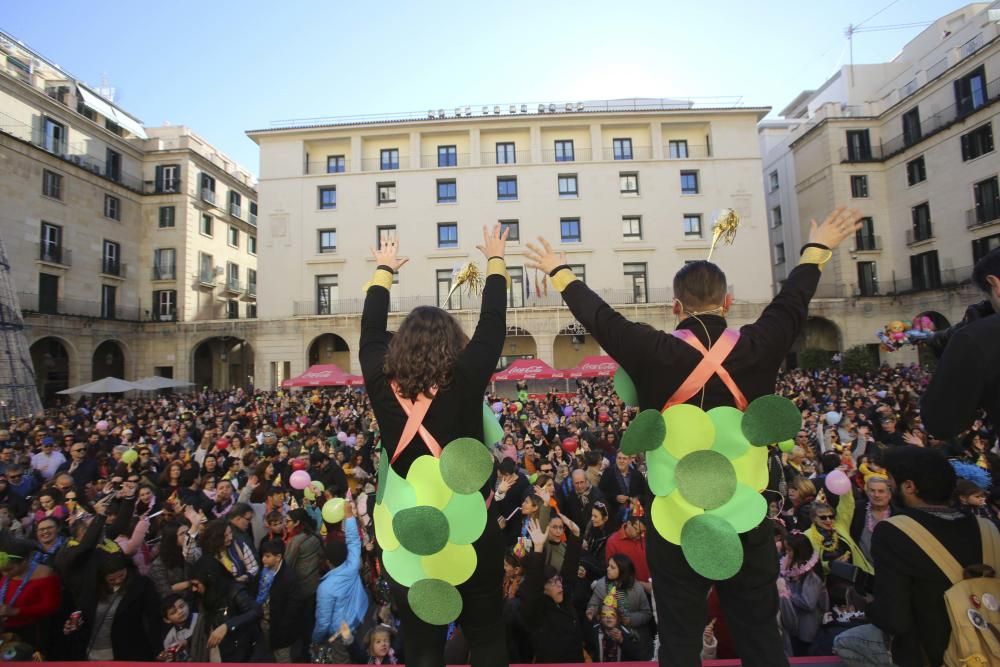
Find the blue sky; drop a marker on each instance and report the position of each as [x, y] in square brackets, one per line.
[223, 67]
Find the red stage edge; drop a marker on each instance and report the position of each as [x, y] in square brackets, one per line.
[801, 662]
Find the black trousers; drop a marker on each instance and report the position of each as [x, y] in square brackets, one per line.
[481, 619]
[749, 601]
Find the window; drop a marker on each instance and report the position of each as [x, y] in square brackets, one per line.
[168, 178]
[447, 191]
[628, 183]
[970, 91]
[864, 238]
[622, 149]
[911, 126]
[206, 268]
[776, 217]
[977, 142]
[327, 292]
[111, 258]
[385, 194]
[113, 165]
[921, 215]
[53, 136]
[564, 150]
[252, 282]
[164, 264]
[635, 276]
[252, 310]
[569, 230]
[235, 204]
[867, 279]
[514, 227]
[207, 188]
[632, 226]
[506, 188]
[773, 180]
[987, 196]
[389, 158]
[859, 186]
[51, 184]
[916, 172]
[335, 164]
[779, 253]
[516, 291]
[109, 297]
[327, 240]
[984, 245]
[447, 234]
[112, 207]
[447, 156]
[443, 278]
[252, 245]
[253, 214]
[51, 243]
[234, 236]
[382, 232]
[677, 149]
[232, 276]
[506, 153]
[689, 182]
[567, 185]
[859, 146]
[580, 271]
[165, 302]
[692, 225]
[328, 197]
[232, 309]
[925, 270]
[206, 224]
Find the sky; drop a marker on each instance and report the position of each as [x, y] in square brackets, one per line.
[223, 67]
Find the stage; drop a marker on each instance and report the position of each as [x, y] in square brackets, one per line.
[799, 662]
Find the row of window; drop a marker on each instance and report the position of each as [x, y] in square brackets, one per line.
[51, 250]
[207, 228]
[985, 194]
[52, 186]
[974, 143]
[207, 271]
[165, 306]
[207, 183]
[447, 189]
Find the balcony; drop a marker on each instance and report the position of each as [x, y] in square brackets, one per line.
[236, 211]
[688, 152]
[635, 153]
[113, 268]
[982, 216]
[322, 167]
[30, 303]
[489, 158]
[376, 164]
[252, 219]
[208, 196]
[206, 277]
[919, 234]
[445, 161]
[851, 155]
[170, 316]
[867, 243]
[576, 155]
[165, 272]
[251, 290]
[54, 254]
[944, 279]
[233, 286]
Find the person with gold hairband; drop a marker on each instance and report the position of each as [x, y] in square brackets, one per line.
[426, 384]
[667, 368]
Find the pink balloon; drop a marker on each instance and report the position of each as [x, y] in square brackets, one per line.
[299, 479]
[838, 483]
[102, 425]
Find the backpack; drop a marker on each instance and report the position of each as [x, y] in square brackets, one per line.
[974, 640]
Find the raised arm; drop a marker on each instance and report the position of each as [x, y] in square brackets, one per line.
[374, 337]
[480, 356]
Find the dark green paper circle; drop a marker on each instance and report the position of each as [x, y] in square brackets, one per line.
[712, 547]
[422, 530]
[466, 465]
[645, 433]
[492, 431]
[625, 388]
[706, 479]
[434, 601]
[383, 475]
[770, 419]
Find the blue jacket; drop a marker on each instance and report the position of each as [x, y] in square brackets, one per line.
[341, 596]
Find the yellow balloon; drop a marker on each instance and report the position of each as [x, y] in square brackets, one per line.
[455, 563]
[689, 429]
[425, 478]
[383, 528]
[670, 513]
[751, 468]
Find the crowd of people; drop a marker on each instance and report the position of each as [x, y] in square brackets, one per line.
[197, 548]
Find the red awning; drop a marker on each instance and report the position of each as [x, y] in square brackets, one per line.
[527, 369]
[324, 375]
[593, 367]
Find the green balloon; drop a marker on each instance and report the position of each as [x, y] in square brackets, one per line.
[770, 419]
[492, 431]
[712, 547]
[645, 433]
[466, 465]
[422, 530]
[786, 445]
[706, 479]
[466, 514]
[729, 438]
[383, 475]
[660, 465]
[403, 566]
[434, 601]
[745, 510]
[625, 388]
[130, 456]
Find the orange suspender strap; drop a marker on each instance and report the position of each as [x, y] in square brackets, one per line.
[415, 413]
[710, 364]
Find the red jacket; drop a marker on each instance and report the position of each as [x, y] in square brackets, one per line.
[634, 549]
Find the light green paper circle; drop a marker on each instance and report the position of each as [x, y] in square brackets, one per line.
[751, 468]
[670, 514]
[399, 493]
[745, 510]
[434, 601]
[770, 419]
[422, 530]
[492, 431]
[454, 564]
[625, 388]
[383, 475]
[383, 528]
[466, 514]
[404, 567]
[660, 465]
[729, 438]
[466, 465]
[428, 486]
[712, 547]
[645, 433]
[689, 429]
[706, 479]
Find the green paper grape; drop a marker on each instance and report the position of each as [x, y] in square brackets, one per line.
[645, 433]
[434, 601]
[492, 431]
[712, 547]
[660, 466]
[729, 438]
[466, 465]
[466, 514]
[625, 388]
[769, 419]
[706, 479]
[422, 530]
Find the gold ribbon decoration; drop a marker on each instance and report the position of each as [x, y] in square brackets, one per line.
[468, 275]
[724, 228]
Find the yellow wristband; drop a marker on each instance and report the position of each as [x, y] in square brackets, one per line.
[382, 278]
[497, 266]
[563, 278]
[816, 256]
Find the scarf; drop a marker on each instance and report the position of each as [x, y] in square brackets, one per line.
[797, 571]
[389, 659]
[266, 579]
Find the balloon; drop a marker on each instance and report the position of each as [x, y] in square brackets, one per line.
[352, 440]
[222, 443]
[130, 456]
[102, 425]
[498, 407]
[317, 486]
[568, 411]
[299, 464]
[570, 445]
[308, 493]
[518, 405]
[341, 436]
[299, 479]
[838, 483]
[333, 510]
[832, 418]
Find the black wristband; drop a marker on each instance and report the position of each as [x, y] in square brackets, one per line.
[813, 245]
[494, 257]
[558, 269]
[385, 267]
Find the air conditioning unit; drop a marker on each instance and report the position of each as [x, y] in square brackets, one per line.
[513, 108]
[524, 108]
[496, 109]
[430, 113]
[440, 113]
[569, 106]
[541, 108]
[468, 111]
[486, 111]
[218, 270]
[552, 108]
[458, 111]
[579, 106]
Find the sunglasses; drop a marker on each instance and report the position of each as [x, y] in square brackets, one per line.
[78, 449]
[825, 517]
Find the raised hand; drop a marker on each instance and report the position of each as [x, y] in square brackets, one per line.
[494, 242]
[386, 253]
[544, 258]
[840, 224]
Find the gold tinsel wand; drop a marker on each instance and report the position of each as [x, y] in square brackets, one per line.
[724, 228]
[468, 275]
